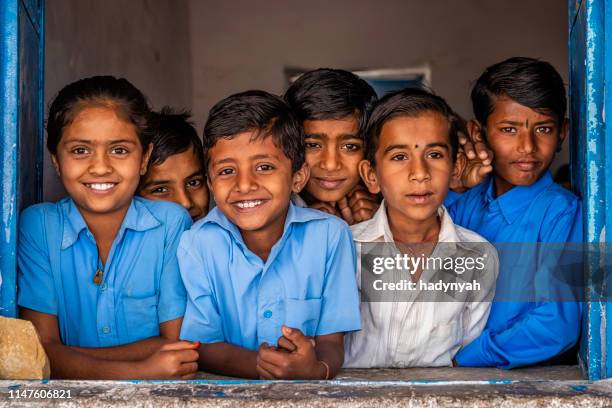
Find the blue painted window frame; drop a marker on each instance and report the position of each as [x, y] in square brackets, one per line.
[12, 14]
[590, 58]
[590, 61]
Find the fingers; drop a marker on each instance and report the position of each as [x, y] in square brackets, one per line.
[297, 337]
[185, 356]
[484, 153]
[345, 211]
[468, 147]
[364, 210]
[484, 170]
[263, 373]
[325, 207]
[361, 195]
[272, 356]
[272, 370]
[181, 345]
[286, 344]
[188, 369]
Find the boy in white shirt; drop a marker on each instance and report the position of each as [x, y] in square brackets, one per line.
[410, 159]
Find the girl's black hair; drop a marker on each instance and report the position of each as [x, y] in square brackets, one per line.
[410, 102]
[532, 83]
[327, 93]
[259, 111]
[107, 91]
[172, 133]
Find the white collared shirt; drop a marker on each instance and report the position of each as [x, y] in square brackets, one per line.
[418, 333]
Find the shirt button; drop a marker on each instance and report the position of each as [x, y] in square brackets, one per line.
[106, 330]
[103, 287]
[267, 314]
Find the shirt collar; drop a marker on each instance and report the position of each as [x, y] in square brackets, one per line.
[137, 218]
[377, 228]
[512, 203]
[295, 214]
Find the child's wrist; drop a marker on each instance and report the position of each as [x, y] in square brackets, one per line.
[325, 370]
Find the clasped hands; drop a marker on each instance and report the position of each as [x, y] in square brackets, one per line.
[293, 358]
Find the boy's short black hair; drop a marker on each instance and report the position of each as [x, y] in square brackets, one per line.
[258, 111]
[410, 102]
[327, 93]
[172, 133]
[532, 83]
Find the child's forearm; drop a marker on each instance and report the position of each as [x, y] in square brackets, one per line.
[68, 363]
[128, 352]
[227, 359]
[139, 350]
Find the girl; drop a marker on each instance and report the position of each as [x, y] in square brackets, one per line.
[98, 274]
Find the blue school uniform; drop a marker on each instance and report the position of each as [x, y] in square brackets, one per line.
[308, 281]
[141, 285]
[521, 332]
[450, 198]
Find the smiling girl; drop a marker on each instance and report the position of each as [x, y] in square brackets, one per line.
[98, 274]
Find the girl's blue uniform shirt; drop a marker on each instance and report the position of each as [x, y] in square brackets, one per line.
[519, 332]
[141, 285]
[308, 281]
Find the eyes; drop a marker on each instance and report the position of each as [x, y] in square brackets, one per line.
[346, 147]
[191, 184]
[262, 168]
[540, 129]
[82, 151]
[433, 154]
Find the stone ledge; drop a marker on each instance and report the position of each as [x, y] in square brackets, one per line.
[361, 388]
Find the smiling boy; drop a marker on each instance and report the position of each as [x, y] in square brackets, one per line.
[271, 286]
[410, 158]
[519, 108]
[333, 106]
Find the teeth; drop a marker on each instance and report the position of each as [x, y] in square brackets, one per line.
[101, 186]
[248, 204]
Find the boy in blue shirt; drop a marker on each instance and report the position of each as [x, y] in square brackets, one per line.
[271, 286]
[519, 108]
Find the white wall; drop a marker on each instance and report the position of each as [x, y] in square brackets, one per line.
[145, 41]
[242, 44]
[192, 53]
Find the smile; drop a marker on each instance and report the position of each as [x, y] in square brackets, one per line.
[248, 204]
[100, 186]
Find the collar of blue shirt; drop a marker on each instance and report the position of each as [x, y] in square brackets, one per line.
[513, 202]
[295, 214]
[138, 218]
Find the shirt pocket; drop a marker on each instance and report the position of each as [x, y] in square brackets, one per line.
[140, 315]
[303, 314]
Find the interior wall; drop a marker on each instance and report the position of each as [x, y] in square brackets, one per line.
[241, 44]
[145, 41]
[192, 53]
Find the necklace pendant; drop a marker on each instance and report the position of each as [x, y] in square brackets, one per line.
[98, 277]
